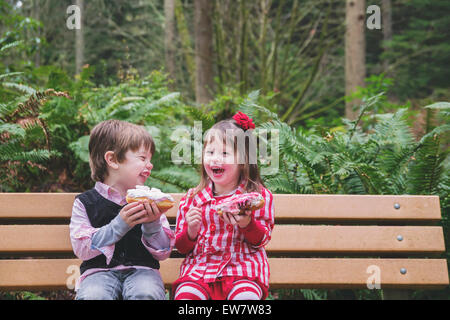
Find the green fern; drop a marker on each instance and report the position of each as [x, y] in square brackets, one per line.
[385, 160]
[25, 141]
[174, 179]
[426, 170]
[202, 115]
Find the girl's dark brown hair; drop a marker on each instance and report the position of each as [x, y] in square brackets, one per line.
[119, 137]
[230, 132]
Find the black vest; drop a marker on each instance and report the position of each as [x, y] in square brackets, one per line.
[129, 250]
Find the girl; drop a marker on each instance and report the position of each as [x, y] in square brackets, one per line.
[225, 256]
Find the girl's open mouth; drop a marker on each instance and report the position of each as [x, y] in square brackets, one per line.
[217, 171]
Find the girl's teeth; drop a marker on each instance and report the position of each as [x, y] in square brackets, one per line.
[218, 171]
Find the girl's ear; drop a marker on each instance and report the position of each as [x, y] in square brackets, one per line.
[111, 160]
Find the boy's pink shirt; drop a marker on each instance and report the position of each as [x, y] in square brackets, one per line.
[81, 233]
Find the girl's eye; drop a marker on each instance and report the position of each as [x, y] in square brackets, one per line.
[209, 152]
[225, 153]
[142, 158]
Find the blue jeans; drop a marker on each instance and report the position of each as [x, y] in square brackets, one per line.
[130, 284]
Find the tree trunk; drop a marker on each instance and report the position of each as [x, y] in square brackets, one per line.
[203, 51]
[355, 53]
[169, 39]
[265, 7]
[79, 41]
[386, 7]
[222, 73]
[243, 57]
[186, 45]
[37, 17]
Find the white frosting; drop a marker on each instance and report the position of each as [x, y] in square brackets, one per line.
[154, 194]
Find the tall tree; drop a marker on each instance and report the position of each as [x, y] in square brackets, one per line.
[79, 42]
[186, 46]
[243, 53]
[203, 51]
[37, 17]
[169, 39]
[355, 52]
[386, 6]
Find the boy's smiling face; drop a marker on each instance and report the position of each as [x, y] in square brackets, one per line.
[134, 170]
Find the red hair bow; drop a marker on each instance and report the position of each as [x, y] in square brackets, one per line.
[244, 121]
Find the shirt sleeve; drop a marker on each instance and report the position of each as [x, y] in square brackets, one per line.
[258, 233]
[182, 241]
[158, 238]
[82, 233]
[254, 232]
[110, 233]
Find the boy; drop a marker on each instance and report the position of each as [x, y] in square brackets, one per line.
[120, 244]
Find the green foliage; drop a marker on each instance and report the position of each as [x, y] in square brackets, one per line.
[145, 101]
[381, 158]
[419, 49]
[384, 160]
[20, 295]
[24, 136]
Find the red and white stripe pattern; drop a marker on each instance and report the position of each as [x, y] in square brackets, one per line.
[220, 249]
[245, 290]
[241, 290]
[191, 291]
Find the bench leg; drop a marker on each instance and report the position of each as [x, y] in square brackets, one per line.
[395, 294]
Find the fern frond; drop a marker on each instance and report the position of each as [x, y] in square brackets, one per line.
[439, 105]
[10, 45]
[426, 171]
[198, 114]
[314, 294]
[10, 74]
[12, 129]
[19, 87]
[250, 107]
[282, 185]
[13, 151]
[181, 177]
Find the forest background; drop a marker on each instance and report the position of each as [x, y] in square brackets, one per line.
[360, 108]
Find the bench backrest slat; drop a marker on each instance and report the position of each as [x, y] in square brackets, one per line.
[285, 238]
[285, 272]
[318, 208]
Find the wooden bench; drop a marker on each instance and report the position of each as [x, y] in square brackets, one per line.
[319, 241]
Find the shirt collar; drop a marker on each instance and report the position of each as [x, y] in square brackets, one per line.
[109, 193]
[206, 195]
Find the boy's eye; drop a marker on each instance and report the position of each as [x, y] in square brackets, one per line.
[225, 153]
[209, 152]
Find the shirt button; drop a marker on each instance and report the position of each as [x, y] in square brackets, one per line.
[226, 256]
[212, 228]
[230, 228]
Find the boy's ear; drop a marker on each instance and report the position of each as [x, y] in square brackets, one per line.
[111, 160]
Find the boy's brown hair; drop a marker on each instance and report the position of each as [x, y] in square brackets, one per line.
[117, 136]
[229, 131]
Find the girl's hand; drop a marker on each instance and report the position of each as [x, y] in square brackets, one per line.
[194, 221]
[134, 213]
[242, 220]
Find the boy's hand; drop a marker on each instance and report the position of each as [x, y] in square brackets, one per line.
[153, 212]
[134, 213]
[242, 220]
[194, 221]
